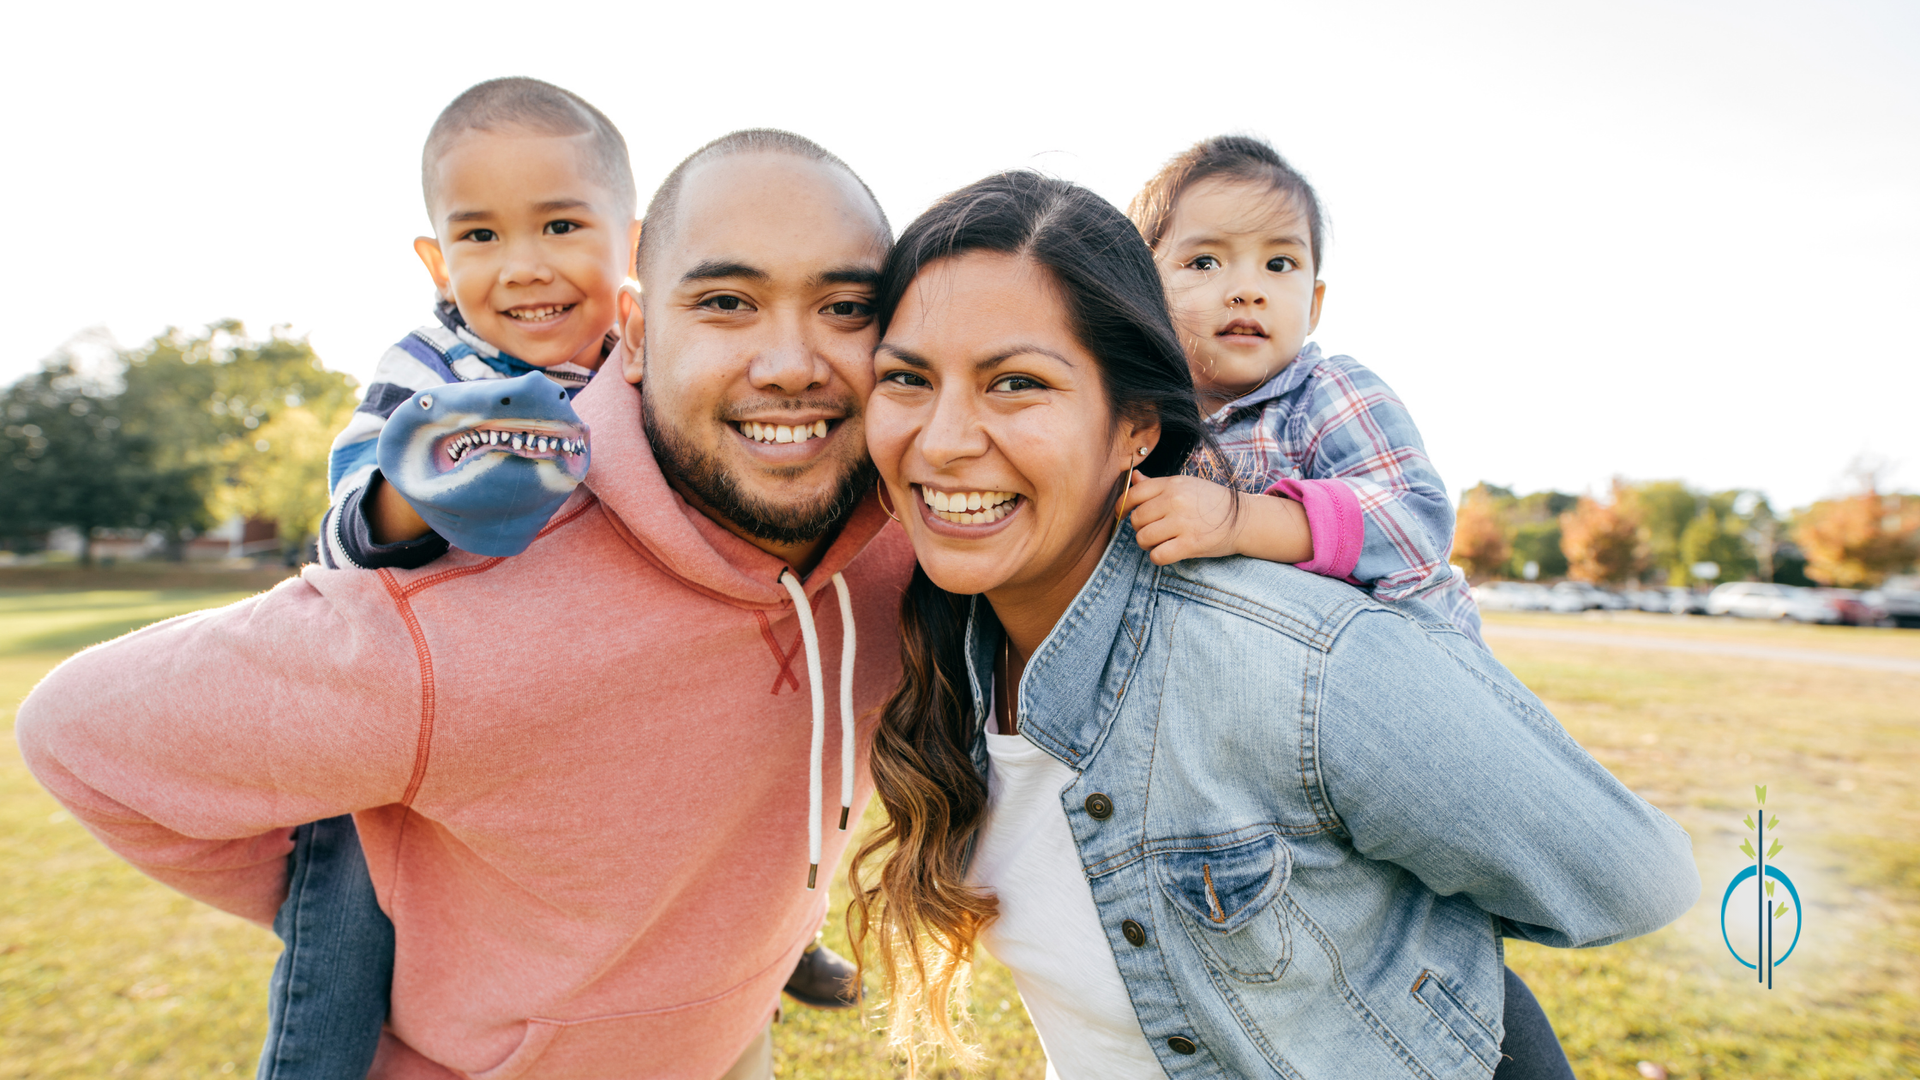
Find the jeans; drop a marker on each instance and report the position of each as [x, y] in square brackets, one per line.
[1530, 1050]
[328, 998]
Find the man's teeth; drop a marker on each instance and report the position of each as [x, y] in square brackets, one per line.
[535, 314]
[524, 441]
[969, 507]
[779, 433]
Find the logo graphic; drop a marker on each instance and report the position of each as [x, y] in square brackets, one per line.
[1767, 908]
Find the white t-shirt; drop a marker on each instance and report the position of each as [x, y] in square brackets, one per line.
[1048, 932]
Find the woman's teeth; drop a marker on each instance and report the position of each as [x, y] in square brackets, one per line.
[778, 433]
[969, 507]
[536, 314]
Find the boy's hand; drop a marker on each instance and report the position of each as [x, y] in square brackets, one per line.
[1185, 517]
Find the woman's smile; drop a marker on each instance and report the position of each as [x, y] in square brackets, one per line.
[967, 513]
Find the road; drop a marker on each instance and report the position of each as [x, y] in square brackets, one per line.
[1495, 631]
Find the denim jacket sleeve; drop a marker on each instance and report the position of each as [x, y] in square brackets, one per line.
[1360, 434]
[1450, 768]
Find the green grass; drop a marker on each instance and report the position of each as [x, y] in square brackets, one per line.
[104, 973]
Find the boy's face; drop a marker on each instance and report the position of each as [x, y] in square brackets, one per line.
[530, 248]
[1238, 267]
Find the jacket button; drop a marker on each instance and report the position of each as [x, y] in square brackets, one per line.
[1180, 1044]
[1099, 806]
[1135, 934]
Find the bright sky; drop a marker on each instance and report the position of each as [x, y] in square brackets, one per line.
[1653, 239]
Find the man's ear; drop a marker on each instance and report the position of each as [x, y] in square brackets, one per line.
[428, 248]
[633, 330]
[1319, 294]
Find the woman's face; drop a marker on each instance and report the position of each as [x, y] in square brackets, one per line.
[990, 426]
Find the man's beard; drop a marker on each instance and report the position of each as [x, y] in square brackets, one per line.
[709, 480]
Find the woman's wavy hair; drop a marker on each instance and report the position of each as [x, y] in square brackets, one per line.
[921, 914]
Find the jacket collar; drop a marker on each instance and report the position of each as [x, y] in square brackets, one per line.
[1074, 681]
[1284, 382]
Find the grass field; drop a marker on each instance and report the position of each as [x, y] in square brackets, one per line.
[106, 974]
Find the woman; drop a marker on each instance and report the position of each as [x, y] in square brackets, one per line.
[1221, 818]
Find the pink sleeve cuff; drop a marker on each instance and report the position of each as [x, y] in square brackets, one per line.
[1334, 522]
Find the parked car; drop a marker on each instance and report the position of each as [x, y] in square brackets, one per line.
[1653, 600]
[1572, 596]
[1685, 601]
[1855, 608]
[1512, 596]
[1900, 598]
[1766, 600]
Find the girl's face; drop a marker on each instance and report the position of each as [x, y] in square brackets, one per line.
[1238, 267]
[990, 427]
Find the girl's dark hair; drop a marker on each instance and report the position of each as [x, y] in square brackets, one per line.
[922, 912]
[1233, 157]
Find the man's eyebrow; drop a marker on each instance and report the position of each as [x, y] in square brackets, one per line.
[848, 275]
[713, 269]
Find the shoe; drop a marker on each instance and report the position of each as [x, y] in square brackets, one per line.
[823, 979]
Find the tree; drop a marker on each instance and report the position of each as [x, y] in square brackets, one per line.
[72, 461]
[1859, 540]
[1602, 540]
[1480, 542]
[1718, 535]
[1667, 508]
[282, 476]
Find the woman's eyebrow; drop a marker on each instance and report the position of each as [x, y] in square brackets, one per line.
[1018, 350]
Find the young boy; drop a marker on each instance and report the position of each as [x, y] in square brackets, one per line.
[533, 204]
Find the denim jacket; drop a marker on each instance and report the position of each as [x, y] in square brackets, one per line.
[1308, 817]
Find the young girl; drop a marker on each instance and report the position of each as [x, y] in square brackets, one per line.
[1237, 235]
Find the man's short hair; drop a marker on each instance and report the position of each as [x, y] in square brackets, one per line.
[656, 232]
[540, 107]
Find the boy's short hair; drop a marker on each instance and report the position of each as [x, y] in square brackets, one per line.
[536, 106]
[666, 200]
[1230, 157]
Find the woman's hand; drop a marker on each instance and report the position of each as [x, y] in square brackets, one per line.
[1185, 517]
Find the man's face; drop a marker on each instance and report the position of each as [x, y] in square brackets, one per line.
[757, 333]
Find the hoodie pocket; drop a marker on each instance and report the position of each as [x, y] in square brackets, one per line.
[1227, 901]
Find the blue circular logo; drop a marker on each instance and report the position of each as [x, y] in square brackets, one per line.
[1774, 873]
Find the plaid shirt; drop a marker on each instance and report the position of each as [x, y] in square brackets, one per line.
[1329, 418]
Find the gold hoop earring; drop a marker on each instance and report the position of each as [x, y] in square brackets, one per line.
[880, 493]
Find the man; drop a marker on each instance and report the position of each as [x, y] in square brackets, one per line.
[581, 775]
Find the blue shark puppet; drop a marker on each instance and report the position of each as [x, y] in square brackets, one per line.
[486, 463]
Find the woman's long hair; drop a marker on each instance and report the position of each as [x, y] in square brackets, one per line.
[922, 915]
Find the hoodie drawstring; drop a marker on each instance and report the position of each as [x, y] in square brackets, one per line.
[814, 680]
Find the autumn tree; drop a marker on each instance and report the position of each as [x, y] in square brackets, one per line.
[1480, 536]
[1718, 535]
[1602, 540]
[1860, 540]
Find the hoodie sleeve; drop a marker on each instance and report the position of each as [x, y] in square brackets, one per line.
[192, 747]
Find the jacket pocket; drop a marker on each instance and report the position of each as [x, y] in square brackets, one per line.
[1226, 898]
[1457, 1019]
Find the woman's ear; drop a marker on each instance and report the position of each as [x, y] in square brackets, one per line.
[633, 330]
[1136, 435]
[428, 248]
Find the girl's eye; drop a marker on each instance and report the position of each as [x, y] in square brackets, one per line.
[1016, 383]
[848, 309]
[1203, 262]
[904, 378]
[562, 228]
[481, 236]
[1280, 264]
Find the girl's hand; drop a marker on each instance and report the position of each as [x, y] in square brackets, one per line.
[1185, 517]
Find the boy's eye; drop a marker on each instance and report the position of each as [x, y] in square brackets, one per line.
[1014, 383]
[481, 236]
[1203, 262]
[562, 228]
[847, 309]
[1280, 264]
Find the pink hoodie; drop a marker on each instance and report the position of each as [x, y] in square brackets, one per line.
[580, 774]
